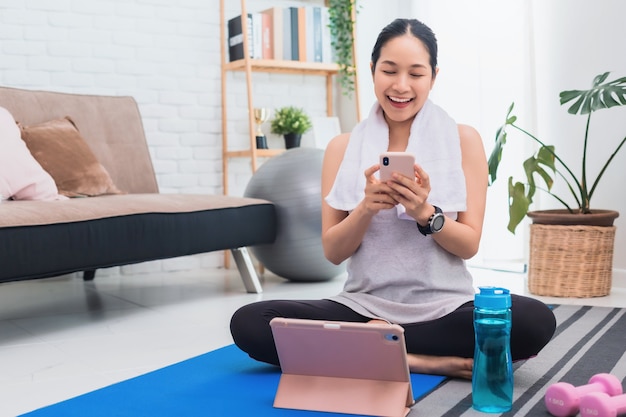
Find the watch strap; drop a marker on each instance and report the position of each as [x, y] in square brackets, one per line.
[428, 230]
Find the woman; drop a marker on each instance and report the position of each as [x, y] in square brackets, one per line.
[405, 239]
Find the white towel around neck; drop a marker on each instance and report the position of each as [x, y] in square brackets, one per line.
[434, 140]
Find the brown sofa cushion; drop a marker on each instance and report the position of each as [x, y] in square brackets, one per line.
[37, 213]
[60, 149]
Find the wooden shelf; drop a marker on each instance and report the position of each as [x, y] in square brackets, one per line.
[248, 153]
[249, 66]
[285, 67]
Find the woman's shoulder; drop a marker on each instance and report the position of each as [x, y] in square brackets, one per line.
[467, 131]
[471, 143]
[337, 145]
[469, 135]
[336, 148]
[339, 141]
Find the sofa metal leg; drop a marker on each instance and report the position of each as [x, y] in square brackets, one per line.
[246, 270]
[89, 275]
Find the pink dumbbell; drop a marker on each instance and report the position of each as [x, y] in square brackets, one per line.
[600, 404]
[563, 399]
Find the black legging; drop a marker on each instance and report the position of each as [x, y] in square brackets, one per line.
[452, 335]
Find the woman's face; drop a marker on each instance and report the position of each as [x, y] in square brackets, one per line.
[403, 78]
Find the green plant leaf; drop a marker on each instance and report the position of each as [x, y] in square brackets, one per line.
[533, 166]
[545, 156]
[518, 204]
[599, 79]
[341, 25]
[600, 96]
[569, 95]
[496, 153]
[521, 195]
[607, 97]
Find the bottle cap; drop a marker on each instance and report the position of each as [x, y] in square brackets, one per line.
[493, 297]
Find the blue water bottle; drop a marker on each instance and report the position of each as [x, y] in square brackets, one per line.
[492, 376]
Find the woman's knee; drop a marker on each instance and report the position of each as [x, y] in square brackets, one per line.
[534, 325]
[248, 322]
[251, 332]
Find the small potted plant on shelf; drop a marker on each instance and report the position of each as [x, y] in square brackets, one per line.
[291, 122]
[563, 232]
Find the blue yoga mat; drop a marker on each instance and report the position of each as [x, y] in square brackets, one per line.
[225, 382]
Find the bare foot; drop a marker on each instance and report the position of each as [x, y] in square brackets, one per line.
[377, 321]
[452, 366]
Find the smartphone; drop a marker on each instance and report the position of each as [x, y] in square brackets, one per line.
[401, 162]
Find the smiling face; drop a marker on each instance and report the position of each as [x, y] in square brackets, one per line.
[403, 77]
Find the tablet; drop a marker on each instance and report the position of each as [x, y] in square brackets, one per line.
[342, 367]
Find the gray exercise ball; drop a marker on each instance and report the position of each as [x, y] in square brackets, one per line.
[292, 181]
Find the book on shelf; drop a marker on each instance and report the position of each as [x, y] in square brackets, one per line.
[314, 34]
[257, 36]
[267, 50]
[295, 44]
[302, 34]
[277, 33]
[328, 56]
[287, 55]
[235, 37]
[273, 33]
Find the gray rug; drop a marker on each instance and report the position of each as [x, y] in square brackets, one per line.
[588, 340]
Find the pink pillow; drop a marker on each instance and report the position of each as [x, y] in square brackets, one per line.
[21, 176]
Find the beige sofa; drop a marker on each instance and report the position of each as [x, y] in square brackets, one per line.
[40, 239]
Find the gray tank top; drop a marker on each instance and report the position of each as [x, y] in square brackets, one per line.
[412, 282]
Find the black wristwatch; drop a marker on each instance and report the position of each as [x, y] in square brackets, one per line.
[435, 223]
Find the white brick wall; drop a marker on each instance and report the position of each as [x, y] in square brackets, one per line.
[167, 57]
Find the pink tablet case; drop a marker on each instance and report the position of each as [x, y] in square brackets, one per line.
[352, 368]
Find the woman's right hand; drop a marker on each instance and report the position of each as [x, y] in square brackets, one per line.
[343, 231]
[378, 195]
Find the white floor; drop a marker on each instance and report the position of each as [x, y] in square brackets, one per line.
[62, 337]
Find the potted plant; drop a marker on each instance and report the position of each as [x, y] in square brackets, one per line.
[578, 216]
[291, 122]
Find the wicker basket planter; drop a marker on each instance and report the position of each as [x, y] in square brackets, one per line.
[571, 255]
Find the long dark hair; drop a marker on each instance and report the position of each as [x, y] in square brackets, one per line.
[401, 27]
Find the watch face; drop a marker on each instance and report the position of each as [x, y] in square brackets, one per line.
[437, 223]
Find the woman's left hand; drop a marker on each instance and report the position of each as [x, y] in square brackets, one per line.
[412, 194]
